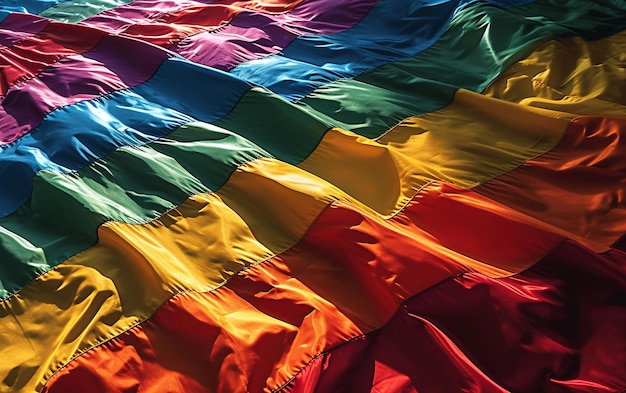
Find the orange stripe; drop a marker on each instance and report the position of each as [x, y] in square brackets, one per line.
[587, 169]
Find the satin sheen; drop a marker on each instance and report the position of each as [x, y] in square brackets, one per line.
[312, 196]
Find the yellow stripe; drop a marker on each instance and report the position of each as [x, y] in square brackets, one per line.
[121, 281]
[569, 75]
[108, 288]
[467, 143]
[263, 209]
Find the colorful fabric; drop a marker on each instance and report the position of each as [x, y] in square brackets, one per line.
[312, 196]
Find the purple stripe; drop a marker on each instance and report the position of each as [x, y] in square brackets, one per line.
[119, 62]
[116, 63]
[10, 128]
[132, 60]
[77, 78]
[28, 103]
[252, 36]
[16, 27]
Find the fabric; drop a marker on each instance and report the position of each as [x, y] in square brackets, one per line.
[312, 196]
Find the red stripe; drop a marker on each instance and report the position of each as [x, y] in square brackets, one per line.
[346, 277]
[558, 327]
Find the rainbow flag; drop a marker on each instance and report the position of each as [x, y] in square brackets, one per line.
[313, 196]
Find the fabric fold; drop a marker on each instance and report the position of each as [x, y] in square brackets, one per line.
[374, 264]
[312, 196]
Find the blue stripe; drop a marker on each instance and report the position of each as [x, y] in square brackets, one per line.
[72, 137]
[26, 6]
[394, 30]
[391, 31]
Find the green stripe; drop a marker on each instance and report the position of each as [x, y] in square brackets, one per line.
[139, 184]
[288, 131]
[75, 11]
[132, 185]
[479, 44]
[591, 20]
